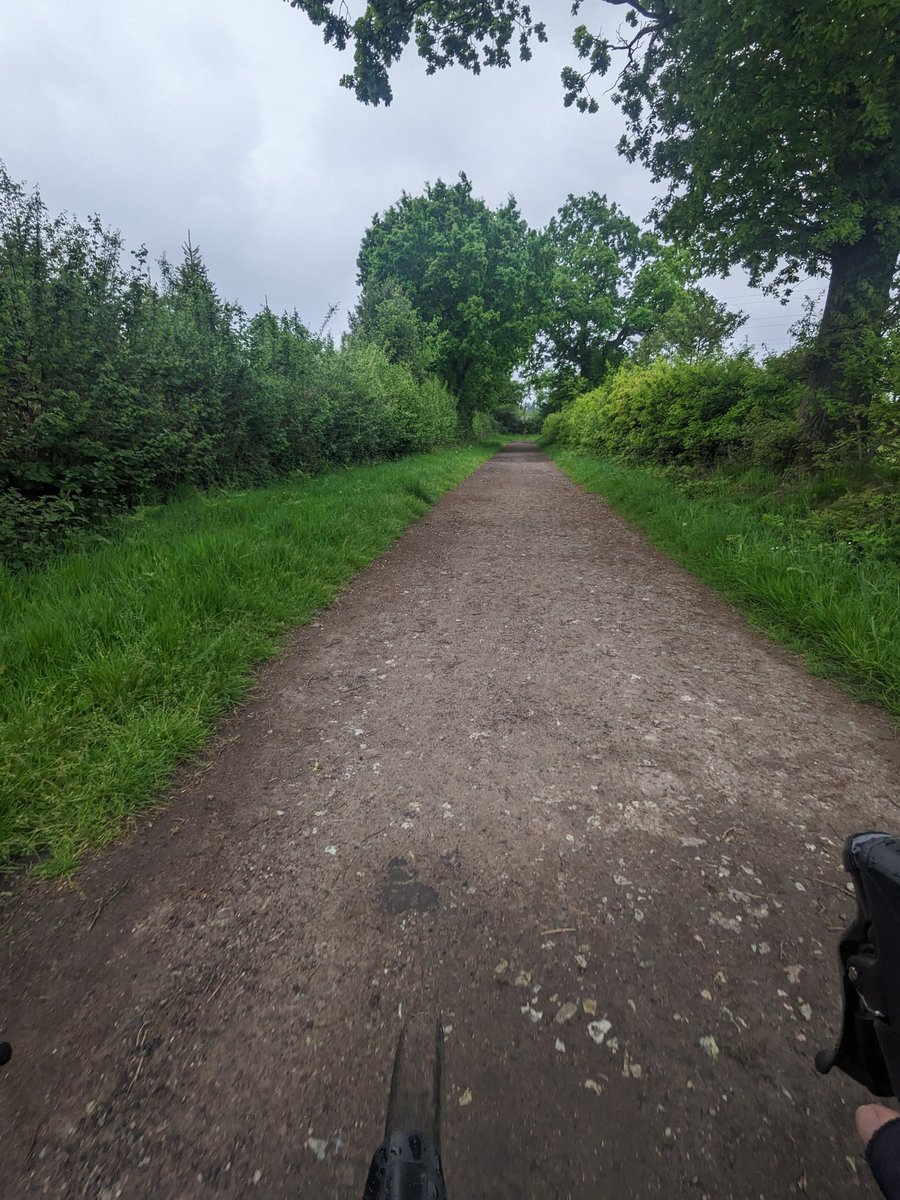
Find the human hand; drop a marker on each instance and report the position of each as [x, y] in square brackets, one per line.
[879, 1131]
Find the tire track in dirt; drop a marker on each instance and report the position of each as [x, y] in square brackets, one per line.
[525, 772]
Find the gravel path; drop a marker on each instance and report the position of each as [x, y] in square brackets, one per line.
[525, 773]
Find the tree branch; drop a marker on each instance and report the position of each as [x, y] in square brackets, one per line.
[645, 12]
[628, 47]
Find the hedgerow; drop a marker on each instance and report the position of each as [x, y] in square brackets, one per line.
[122, 386]
[693, 413]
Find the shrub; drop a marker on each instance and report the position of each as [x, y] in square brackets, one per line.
[550, 430]
[371, 407]
[484, 426]
[117, 389]
[691, 413]
[30, 530]
[868, 521]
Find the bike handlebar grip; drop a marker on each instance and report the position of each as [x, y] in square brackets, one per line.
[883, 1157]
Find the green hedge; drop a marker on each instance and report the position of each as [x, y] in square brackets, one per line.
[121, 386]
[692, 413]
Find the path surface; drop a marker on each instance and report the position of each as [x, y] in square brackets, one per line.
[603, 788]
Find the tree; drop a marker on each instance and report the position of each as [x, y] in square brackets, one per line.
[385, 316]
[612, 284]
[475, 275]
[696, 326]
[776, 124]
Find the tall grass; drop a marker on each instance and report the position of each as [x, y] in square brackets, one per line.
[116, 660]
[837, 605]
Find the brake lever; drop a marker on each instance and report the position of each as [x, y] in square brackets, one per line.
[868, 1048]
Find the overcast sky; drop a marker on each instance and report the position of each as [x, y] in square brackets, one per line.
[225, 117]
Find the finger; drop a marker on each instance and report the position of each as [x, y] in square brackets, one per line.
[870, 1118]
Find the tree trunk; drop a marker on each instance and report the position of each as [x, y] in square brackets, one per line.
[845, 364]
[456, 378]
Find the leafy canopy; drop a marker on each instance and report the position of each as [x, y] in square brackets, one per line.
[776, 124]
[475, 275]
[612, 283]
[473, 35]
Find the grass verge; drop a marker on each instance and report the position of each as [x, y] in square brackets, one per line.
[117, 660]
[752, 540]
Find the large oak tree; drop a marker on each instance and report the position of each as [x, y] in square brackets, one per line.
[774, 123]
[475, 275]
[612, 285]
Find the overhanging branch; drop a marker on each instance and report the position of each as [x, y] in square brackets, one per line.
[645, 12]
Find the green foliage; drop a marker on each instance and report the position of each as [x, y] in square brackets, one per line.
[550, 429]
[885, 425]
[471, 35]
[516, 419]
[370, 407]
[774, 122]
[776, 127]
[866, 520]
[612, 287]
[752, 538]
[385, 317]
[119, 658]
[476, 277]
[484, 426]
[31, 530]
[696, 326]
[682, 412]
[117, 390]
[555, 389]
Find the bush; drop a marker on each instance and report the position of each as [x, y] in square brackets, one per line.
[374, 408]
[437, 421]
[691, 413]
[30, 530]
[117, 390]
[484, 426]
[867, 521]
[550, 430]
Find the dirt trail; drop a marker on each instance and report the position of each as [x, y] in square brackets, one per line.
[524, 763]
